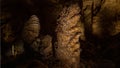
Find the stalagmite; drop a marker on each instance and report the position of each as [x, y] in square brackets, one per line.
[31, 29]
[68, 33]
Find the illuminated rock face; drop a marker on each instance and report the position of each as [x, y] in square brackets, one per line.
[68, 33]
[31, 29]
[106, 22]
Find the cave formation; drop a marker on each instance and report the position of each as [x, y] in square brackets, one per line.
[60, 33]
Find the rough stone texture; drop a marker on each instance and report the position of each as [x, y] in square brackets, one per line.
[31, 29]
[47, 45]
[68, 33]
[106, 22]
[43, 46]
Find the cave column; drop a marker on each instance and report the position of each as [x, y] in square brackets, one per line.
[68, 33]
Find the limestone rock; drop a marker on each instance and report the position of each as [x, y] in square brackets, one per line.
[43, 46]
[31, 29]
[68, 33]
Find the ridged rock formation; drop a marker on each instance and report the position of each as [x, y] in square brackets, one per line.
[68, 33]
[31, 29]
[43, 46]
